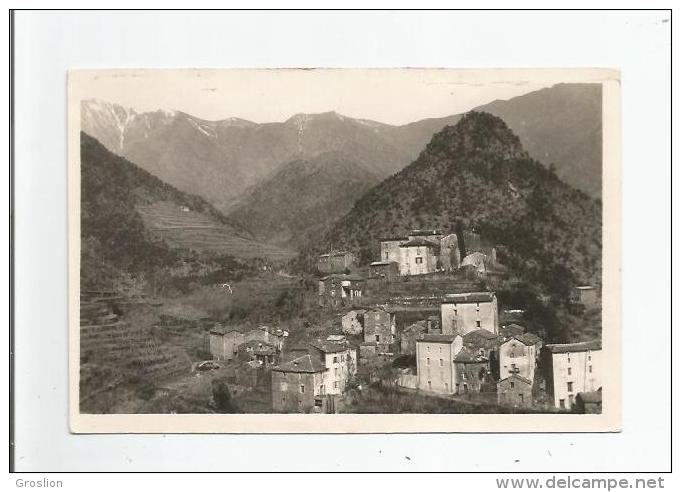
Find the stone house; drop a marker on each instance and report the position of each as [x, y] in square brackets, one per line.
[418, 256]
[435, 368]
[298, 385]
[338, 290]
[514, 390]
[472, 371]
[463, 313]
[390, 249]
[223, 343]
[589, 402]
[519, 355]
[485, 344]
[336, 262]
[352, 322]
[259, 351]
[385, 270]
[409, 336]
[340, 361]
[572, 368]
[268, 335]
[379, 328]
[585, 295]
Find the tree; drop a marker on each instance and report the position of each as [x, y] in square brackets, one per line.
[222, 396]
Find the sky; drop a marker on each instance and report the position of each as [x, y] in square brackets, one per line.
[392, 96]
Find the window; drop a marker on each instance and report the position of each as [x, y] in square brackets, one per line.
[521, 397]
[386, 255]
[335, 372]
[446, 386]
[342, 358]
[419, 260]
[512, 384]
[427, 361]
[302, 388]
[463, 375]
[378, 338]
[335, 359]
[441, 364]
[590, 369]
[335, 384]
[465, 388]
[569, 371]
[561, 403]
[477, 324]
[430, 385]
[428, 348]
[569, 385]
[589, 357]
[571, 399]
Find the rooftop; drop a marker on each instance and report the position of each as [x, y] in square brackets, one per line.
[528, 338]
[435, 338]
[465, 356]
[425, 232]
[337, 253]
[302, 364]
[382, 263]
[343, 276]
[468, 297]
[419, 242]
[329, 347]
[512, 330]
[562, 348]
[517, 376]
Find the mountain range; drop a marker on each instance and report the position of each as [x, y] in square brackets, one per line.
[276, 180]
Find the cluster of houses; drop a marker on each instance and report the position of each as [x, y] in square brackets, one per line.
[421, 252]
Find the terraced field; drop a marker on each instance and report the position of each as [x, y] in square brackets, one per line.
[188, 229]
[116, 355]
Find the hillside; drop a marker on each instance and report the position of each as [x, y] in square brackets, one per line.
[477, 173]
[560, 126]
[302, 199]
[122, 209]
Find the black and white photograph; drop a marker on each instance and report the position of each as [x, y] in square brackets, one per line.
[341, 242]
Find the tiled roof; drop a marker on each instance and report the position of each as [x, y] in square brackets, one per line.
[305, 363]
[517, 376]
[435, 338]
[419, 242]
[382, 263]
[468, 297]
[512, 330]
[528, 338]
[329, 347]
[465, 356]
[219, 330]
[481, 333]
[394, 238]
[562, 348]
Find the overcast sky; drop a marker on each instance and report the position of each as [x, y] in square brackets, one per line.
[394, 96]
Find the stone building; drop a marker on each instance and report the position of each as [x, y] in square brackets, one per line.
[352, 322]
[379, 328]
[435, 368]
[298, 385]
[340, 360]
[409, 336]
[589, 402]
[586, 295]
[262, 352]
[485, 344]
[514, 390]
[519, 355]
[471, 371]
[268, 335]
[418, 256]
[339, 290]
[572, 368]
[224, 342]
[336, 262]
[385, 270]
[463, 313]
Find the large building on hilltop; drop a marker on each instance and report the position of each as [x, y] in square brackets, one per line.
[422, 252]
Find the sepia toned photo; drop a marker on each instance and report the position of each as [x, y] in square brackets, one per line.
[344, 250]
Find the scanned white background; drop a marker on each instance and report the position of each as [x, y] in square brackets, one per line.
[50, 43]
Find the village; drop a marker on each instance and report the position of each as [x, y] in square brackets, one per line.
[422, 322]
